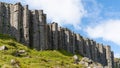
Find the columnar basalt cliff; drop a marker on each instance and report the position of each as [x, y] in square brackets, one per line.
[30, 28]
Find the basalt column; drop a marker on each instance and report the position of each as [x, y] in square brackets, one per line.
[11, 20]
[49, 34]
[73, 43]
[87, 45]
[4, 18]
[79, 44]
[6, 24]
[112, 57]
[54, 35]
[96, 52]
[15, 21]
[26, 19]
[109, 56]
[60, 38]
[1, 16]
[67, 40]
[102, 57]
[35, 34]
[92, 43]
[42, 30]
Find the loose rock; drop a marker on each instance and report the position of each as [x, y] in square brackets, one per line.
[76, 59]
[3, 48]
[15, 63]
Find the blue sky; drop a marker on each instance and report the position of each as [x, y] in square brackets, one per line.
[95, 19]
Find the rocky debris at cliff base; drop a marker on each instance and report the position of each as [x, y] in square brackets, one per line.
[86, 61]
[3, 48]
[90, 63]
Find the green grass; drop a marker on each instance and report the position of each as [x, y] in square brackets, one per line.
[34, 58]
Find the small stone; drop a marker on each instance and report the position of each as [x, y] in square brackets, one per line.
[21, 51]
[15, 63]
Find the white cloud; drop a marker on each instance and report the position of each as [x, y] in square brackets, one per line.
[107, 30]
[61, 11]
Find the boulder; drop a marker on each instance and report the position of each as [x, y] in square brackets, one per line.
[3, 48]
[76, 59]
[12, 62]
[86, 61]
[90, 63]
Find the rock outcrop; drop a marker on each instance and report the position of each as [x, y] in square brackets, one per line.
[30, 28]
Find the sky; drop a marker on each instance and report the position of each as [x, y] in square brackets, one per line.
[95, 19]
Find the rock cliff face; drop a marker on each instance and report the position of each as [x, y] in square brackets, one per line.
[30, 28]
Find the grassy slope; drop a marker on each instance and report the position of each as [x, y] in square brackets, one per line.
[38, 59]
